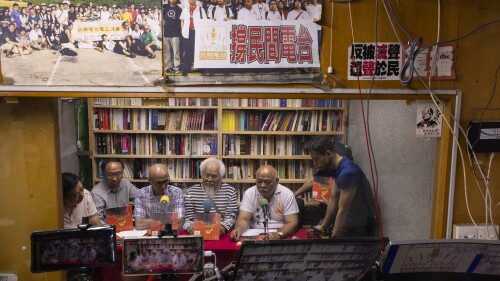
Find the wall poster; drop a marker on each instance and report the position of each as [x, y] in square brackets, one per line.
[75, 43]
[151, 43]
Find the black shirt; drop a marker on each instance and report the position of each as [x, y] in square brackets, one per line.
[172, 27]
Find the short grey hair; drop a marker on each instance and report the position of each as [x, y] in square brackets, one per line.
[222, 167]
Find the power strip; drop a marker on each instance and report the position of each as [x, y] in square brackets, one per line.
[470, 231]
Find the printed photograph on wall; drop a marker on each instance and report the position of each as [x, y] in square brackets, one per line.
[429, 119]
[81, 43]
[234, 41]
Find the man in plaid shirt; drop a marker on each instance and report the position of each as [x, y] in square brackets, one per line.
[148, 198]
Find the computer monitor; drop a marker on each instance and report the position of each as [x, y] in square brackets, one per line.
[443, 260]
[65, 249]
[310, 259]
[163, 256]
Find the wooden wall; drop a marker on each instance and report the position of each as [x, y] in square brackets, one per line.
[29, 180]
[477, 60]
[29, 169]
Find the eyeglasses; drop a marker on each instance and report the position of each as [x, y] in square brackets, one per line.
[113, 175]
[161, 183]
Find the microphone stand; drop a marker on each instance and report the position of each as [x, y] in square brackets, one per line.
[266, 220]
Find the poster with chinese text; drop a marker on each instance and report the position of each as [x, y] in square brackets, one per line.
[361, 57]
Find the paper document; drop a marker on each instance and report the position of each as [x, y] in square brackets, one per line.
[131, 233]
[255, 232]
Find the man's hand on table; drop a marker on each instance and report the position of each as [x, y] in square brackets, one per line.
[236, 234]
[222, 230]
[273, 236]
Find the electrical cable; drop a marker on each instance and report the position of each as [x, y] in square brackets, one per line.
[433, 97]
[382, 246]
[331, 41]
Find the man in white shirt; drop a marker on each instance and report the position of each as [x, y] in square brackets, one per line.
[221, 12]
[282, 207]
[297, 13]
[179, 259]
[37, 41]
[189, 18]
[273, 14]
[104, 14]
[248, 12]
[314, 9]
[261, 8]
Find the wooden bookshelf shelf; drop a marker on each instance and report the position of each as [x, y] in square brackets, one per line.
[182, 132]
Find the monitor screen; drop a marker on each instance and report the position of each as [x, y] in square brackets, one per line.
[166, 255]
[72, 248]
[311, 259]
[467, 259]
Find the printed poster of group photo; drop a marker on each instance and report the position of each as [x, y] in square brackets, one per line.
[150, 43]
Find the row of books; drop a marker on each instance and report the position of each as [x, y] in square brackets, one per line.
[154, 119]
[156, 144]
[177, 168]
[294, 121]
[237, 169]
[292, 103]
[156, 101]
[264, 145]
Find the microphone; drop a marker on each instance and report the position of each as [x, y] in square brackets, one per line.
[164, 200]
[207, 205]
[265, 209]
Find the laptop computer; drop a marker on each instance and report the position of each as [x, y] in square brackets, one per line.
[442, 260]
[310, 259]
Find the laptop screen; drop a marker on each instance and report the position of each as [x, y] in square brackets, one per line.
[72, 248]
[166, 255]
[310, 259]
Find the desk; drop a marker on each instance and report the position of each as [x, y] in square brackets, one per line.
[225, 249]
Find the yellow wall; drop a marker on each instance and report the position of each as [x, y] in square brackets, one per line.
[29, 168]
[477, 59]
[28, 181]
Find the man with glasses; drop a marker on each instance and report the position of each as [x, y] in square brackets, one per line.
[222, 195]
[148, 198]
[113, 191]
[282, 207]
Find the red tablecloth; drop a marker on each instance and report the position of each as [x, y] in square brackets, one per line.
[225, 250]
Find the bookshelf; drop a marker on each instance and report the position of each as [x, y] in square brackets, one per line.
[182, 132]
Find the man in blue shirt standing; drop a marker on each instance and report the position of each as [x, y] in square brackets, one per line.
[352, 205]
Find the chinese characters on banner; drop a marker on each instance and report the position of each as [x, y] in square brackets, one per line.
[362, 61]
[443, 67]
[256, 44]
[429, 119]
[93, 30]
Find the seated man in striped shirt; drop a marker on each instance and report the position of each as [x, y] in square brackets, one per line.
[223, 196]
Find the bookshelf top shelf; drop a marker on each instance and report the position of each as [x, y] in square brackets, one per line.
[268, 157]
[291, 133]
[162, 132]
[134, 156]
[280, 108]
[191, 107]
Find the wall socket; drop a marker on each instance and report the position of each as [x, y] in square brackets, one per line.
[470, 231]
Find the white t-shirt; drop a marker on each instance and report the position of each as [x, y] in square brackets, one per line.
[314, 12]
[301, 15]
[274, 16]
[246, 14]
[198, 13]
[220, 13]
[260, 10]
[86, 208]
[282, 204]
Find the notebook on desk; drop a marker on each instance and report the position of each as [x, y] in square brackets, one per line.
[310, 259]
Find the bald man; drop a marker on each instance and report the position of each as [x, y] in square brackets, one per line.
[283, 207]
[148, 198]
